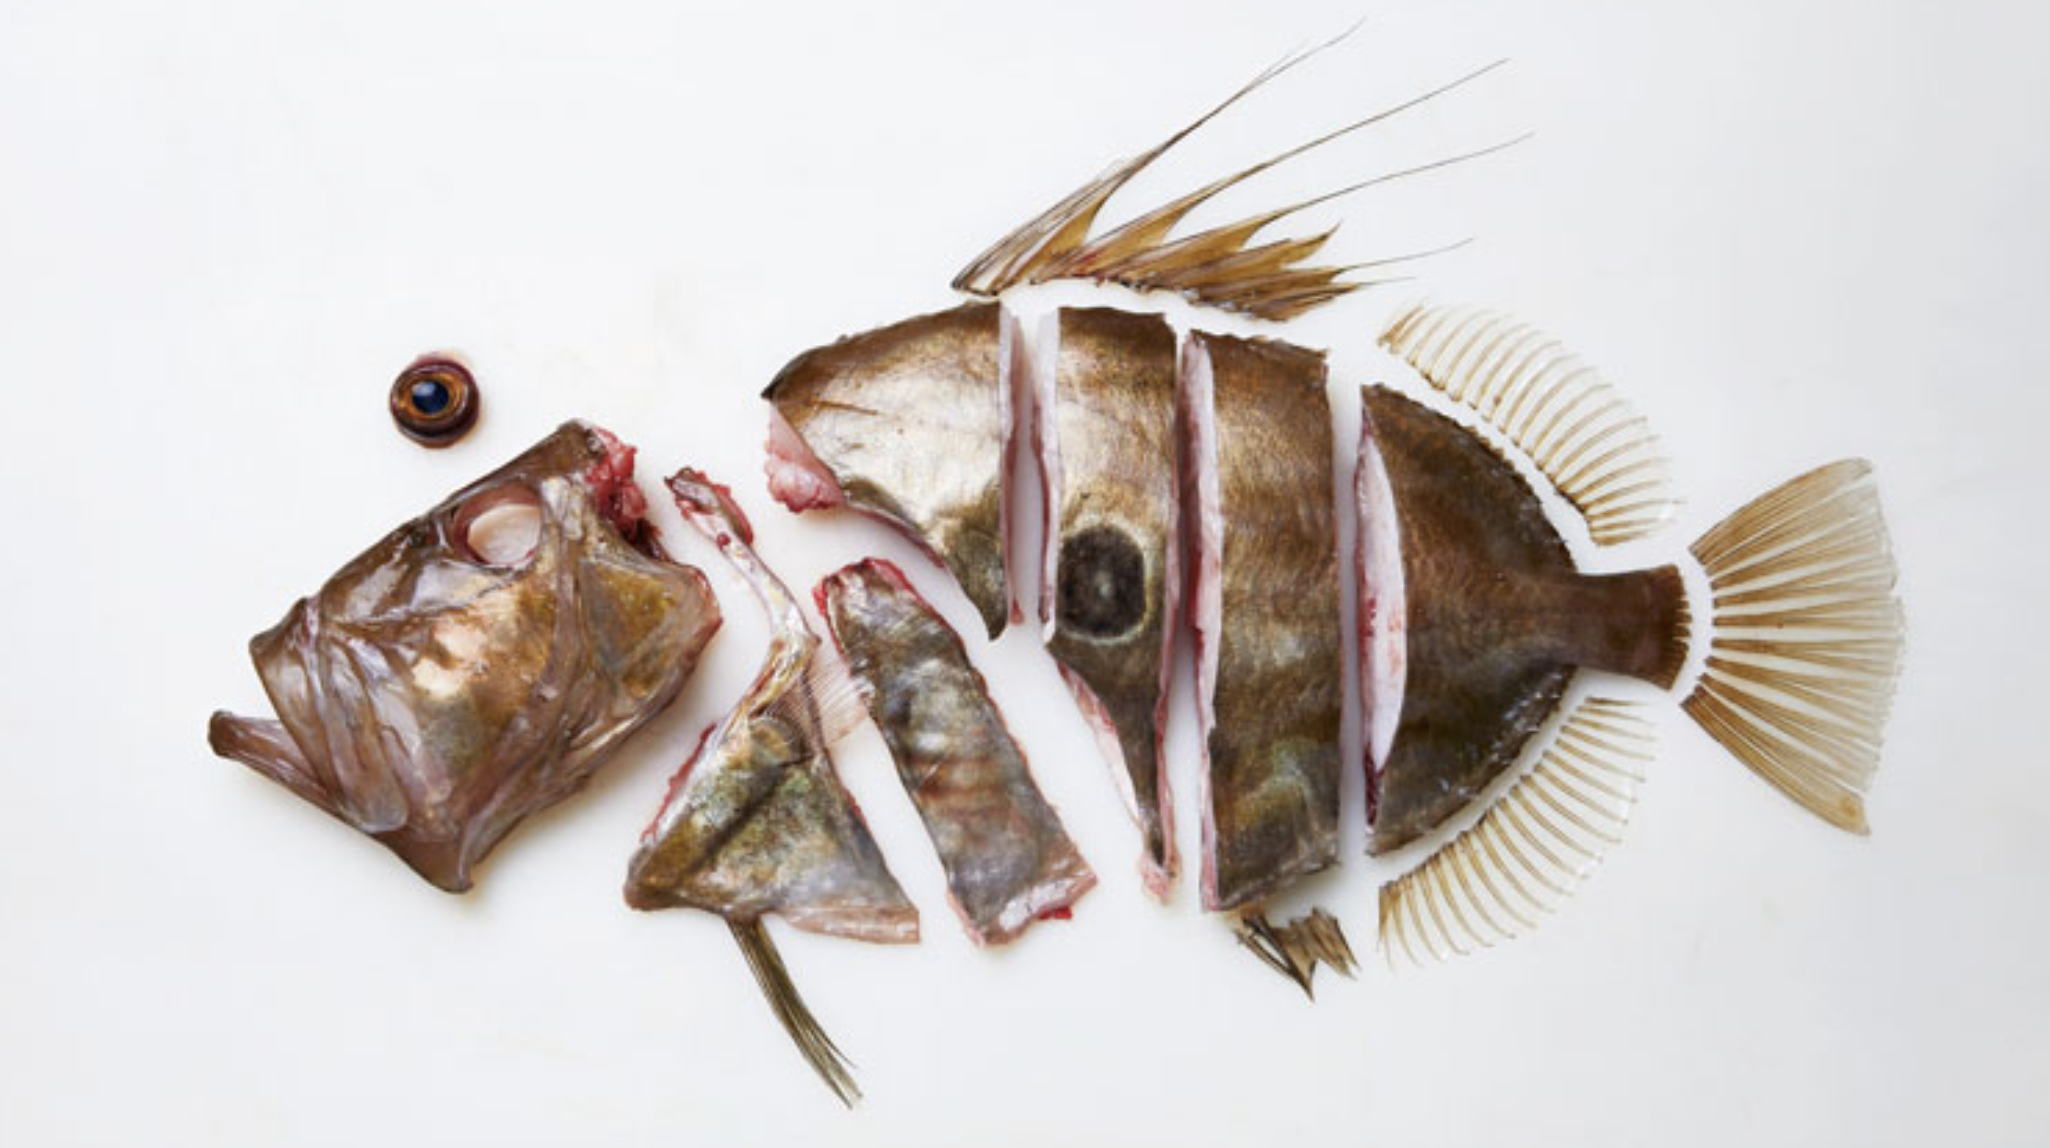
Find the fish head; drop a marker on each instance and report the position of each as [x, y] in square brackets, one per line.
[478, 661]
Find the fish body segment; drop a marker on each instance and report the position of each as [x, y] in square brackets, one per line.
[1007, 859]
[910, 423]
[1108, 451]
[432, 697]
[1491, 621]
[1265, 608]
[756, 822]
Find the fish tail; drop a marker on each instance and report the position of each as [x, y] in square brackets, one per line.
[818, 1049]
[1806, 640]
[1635, 623]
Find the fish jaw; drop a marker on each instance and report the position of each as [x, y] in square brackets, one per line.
[911, 424]
[432, 698]
[756, 822]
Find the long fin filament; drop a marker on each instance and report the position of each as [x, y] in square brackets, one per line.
[818, 1049]
[1142, 254]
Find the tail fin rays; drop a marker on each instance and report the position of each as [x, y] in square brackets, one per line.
[1807, 638]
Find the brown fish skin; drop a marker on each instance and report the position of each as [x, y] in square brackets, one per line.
[432, 698]
[910, 423]
[1109, 444]
[1006, 856]
[756, 821]
[1496, 617]
[1265, 603]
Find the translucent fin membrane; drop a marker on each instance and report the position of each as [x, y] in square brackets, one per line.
[1216, 267]
[1572, 424]
[1296, 949]
[818, 1049]
[835, 694]
[1807, 639]
[1538, 842]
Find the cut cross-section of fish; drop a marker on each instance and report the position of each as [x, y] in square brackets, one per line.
[1105, 432]
[910, 423]
[1007, 859]
[1472, 630]
[757, 821]
[1265, 606]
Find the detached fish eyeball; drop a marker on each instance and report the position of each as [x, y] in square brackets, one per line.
[435, 401]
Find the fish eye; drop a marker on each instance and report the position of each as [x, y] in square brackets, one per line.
[499, 527]
[435, 401]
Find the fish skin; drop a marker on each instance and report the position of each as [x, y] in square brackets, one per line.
[1272, 750]
[432, 700]
[1115, 545]
[912, 421]
[1006, 856]
[1497, 617]
[756, 822]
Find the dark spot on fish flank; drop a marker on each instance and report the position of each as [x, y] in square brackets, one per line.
[1102, 591]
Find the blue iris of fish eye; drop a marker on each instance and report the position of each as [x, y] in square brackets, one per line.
[430, 396]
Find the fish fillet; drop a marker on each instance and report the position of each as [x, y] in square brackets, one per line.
[1007, 859]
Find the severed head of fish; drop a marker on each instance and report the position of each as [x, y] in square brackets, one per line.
[482, 660]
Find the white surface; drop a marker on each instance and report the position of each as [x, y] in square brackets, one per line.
[1790, 231]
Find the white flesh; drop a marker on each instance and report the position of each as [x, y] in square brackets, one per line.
[1206, 602]
[1383, 609]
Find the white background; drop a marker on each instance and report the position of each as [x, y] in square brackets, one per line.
[1791, 231]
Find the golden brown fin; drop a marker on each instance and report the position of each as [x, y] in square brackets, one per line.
[1530, 850]
[1214, 267]
[1807, 638]
[1295, 949]
[818, 1049]
[1572, 424]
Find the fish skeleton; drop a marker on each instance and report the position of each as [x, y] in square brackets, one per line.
[433, 693]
